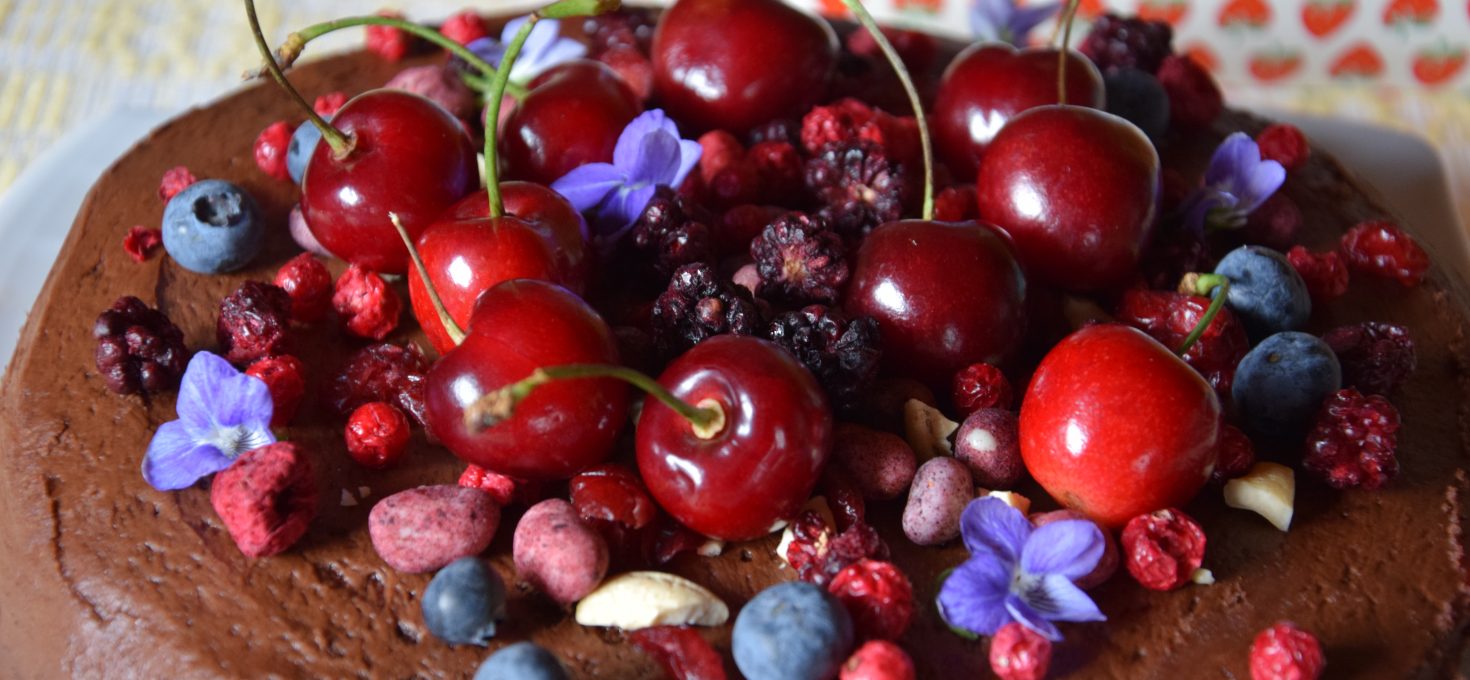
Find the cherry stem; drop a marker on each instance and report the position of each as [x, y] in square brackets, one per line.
[493, 98]
[868, 23]
[298, 40]
[1203, 284]
[707, 418]
[1067, 20]
[456, 334]
[341, 145]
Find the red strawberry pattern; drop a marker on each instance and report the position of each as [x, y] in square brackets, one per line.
[1322, 18]
[1358, 61]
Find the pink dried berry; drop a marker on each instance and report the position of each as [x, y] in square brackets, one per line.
[1384, 250]
[327, 104]
[367, 306]
[1236, 454]
[878, 660]
[285, 377]
[377, 435]
[1285, 144]
[1325, 274]
[500, 487]
[270, 150]
[981, 386]
[682, 652]
[267, 498]
[1163, 549]
[309, 284]
[878, 596]
[1019, 653]
[1286, 652]
[612, 493]
[464, 27]
[141, 242]
[1354, 440]
[720, 151]
[174, 180]
[1376, 357]
[838, 122]
[387, 41]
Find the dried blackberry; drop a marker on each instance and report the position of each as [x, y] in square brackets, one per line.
[254, 322]
[626, 27]
[667, 232]
[842, 353]
[699, 305]
[1118, 42]
[138, 349]
[858, 186]
[1376, 357]
[382, 372]
[800, 259]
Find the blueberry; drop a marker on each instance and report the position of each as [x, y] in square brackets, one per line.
[521, 661]
[1280, 384]
[1266, 292]
[464, 601]
[298, 152]
[792, 631]
[212, 227]
[1138, 97]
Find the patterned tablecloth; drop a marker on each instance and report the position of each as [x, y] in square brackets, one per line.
[1400, 63]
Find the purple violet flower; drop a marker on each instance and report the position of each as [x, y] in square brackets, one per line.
[1236, 183]
[1003, 21]
[222, 414]
[544, 48]
[1020, 573]
[649, 154]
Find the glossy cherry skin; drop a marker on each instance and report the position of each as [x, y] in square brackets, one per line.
[562, 427]
[409, 157]
[988, 83]
[1114, 425]
[946, 295]
[761, 467]
[548, 213]
[735, 64]
[1076, 188]
[572, 116]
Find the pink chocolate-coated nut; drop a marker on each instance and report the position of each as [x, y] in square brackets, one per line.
[423, 529]
[301, 233]
[1107, 565]
[941, 490]
[881, 464]
[558, 553]
[267, 499]
[438, 84]
[988, 444]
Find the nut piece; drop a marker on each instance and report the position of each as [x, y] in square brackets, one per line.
[927, 430]
[1269, 490]
[642, 599]
[1011, 498]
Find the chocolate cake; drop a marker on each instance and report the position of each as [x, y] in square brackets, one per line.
[106, 577]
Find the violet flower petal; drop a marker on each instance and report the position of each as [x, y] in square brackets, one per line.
[1236, 155]
[175, 459]
[689, 154]
[630, 142]
[974, 595]
[657, 160]
[622, 209]
[1070, 548]
[1020, 609]
[1057, 598]
[208, 399]
[990, 525]
[1264, 180]
[1027, 18]
[589, 185]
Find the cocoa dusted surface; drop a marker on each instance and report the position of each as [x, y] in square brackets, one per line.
[105, 577]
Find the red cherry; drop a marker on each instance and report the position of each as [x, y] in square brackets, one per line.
[1077, 189]
[946, 295]
[757, 469]
[736, 64]
[1114, 425]
[562, 427]
[573, 116]
[545, 211]
[409, 157]
[989, 83]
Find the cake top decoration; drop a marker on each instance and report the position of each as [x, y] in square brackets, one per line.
[546, 47]
[1236, 183]
[222, 414]
[650, 153]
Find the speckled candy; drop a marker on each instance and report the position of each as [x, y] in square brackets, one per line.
[267, 498]
[881, 464]
[558, 553]
[423, 529]
[942, 488]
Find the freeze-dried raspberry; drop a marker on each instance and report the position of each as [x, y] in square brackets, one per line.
[612, 493]
[1195, 100]
[980, 386]
[878, 596]
[836, 123]
[138, 349]
[327, 104]
[1286, 652]
[141, 242]
[1376, 357]
[1354, 440]
[1384, 250]
[817, 553]
[382, 372]
[464, 27]
[720, 150]
[682, 652]
[174, 180]
[741, 224]
[878, 660]
[377, 434]
[800, 259]
[285, 377]
[736, 184]
[267, 498]
[633, 67]
[254, 322]
[270, 150]
[500, 487]
[779, 167]
[366, 305]
[1285, 144]
[957, 204]
[309, 284]
[1236, 454]
[1325, 274]
[1019, 653]
[1170, 317]
[388, 42]
[1163, 549]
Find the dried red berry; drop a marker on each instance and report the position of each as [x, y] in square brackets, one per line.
[1354, 440]
[1128, 42]
[382, 372]
[464, 27]
[327, 104]
[681, 651]
[916, 49]
[632, 66]
[1285, 144]
[500, 487]
[1163, 548]
[628, 27]
[267, 498]
[270, 150]
[1236, 454]
[1325, 274]
[1382, 249]
[1376, 357]
[878, 596]
[720, 150]
[733, 185]
[1169, 318]
[957, 204]
[818, 555]
[1019, 653]
[138, 349]
[141, 242]
[612, 493]
[800, 259]
[309, 284]
[878, 659]
[1195, 100]
[367, 306]
[980, 386]
[1286, 652]
[254, 322]
[388, 42]
[175, 179]
[779, 167]
[836, 123]
[844, 497]
[377, 435]
[285, 377]
[1273, 224]
[741, 224]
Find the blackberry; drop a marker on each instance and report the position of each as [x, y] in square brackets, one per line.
[254, 322]
[698, 305]
[667, 232]
[842, 353]
[1118, 42]
[382, 372]
[1376, 357]
[626, 27]
[800, 258]
[138, 349]
[858, 186]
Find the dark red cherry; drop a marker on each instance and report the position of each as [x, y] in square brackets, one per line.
[762, 465]
[545, 211]
[572, 116]
[409, 157]
[1076, 188]
[562, 427]
[735, 64]
[946, 295]
[988, 83]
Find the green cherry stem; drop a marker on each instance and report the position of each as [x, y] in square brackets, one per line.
[1205, 285]
[707, 418]
[456, 334]
[866, 19]
[297, 41]
[341, 145]
[1067, 20]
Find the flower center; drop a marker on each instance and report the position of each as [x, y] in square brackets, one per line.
[235, 440]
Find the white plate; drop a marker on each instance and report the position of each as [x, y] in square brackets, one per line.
[37, 211]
